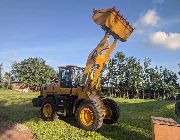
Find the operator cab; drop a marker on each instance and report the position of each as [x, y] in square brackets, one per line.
[70, 76]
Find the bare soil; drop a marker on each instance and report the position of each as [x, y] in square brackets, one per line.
[10, 131]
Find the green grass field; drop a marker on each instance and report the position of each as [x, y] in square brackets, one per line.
[134, 122]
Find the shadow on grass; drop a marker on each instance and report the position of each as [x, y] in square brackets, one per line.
[18, 113]
[11, 114]
[70, 120]
[133, 124]
[115, 131]
[135, 120]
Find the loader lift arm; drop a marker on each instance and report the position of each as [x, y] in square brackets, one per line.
[114, 24]
[96, 61]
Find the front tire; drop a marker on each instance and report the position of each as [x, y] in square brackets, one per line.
[112, 115]
[89, 115]
[48, 110]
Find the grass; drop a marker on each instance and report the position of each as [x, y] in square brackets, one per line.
[134, 122]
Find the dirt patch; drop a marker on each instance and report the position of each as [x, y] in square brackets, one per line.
[10, 131]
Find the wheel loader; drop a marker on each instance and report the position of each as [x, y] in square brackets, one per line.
[76, 92]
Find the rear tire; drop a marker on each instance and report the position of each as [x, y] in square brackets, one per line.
[48, 110]
[89, 115]
[113, 111]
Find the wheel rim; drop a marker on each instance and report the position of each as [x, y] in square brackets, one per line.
[86, 116]
[47, 110]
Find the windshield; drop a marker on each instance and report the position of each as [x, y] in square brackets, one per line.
[71, 76]
[77, 76]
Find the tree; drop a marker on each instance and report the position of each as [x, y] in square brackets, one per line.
[133, 76]
[111, 76]
[126, 77]
[7, 80]
[146, 77]
[155, 81]
[123, 74]
[107, 77]
[169, 83]
[119, 73]
[1, 67]
[33, 72]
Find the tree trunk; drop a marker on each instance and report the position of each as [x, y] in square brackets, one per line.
[127, 94]
[158, 95]
[124, 93]
[164, 96]
[143, 93]
[149, 94]
[137, 91]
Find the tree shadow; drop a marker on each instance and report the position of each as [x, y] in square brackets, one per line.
[12, 117]
[18, 113]
[70, 120]
[134, 118]
[116, 131]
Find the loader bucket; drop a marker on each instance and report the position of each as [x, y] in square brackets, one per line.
[113, 22]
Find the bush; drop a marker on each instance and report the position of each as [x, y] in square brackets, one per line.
[5, 86]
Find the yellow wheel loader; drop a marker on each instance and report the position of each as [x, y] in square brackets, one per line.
[76, 90]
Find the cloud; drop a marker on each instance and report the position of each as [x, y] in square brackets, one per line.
[158, 1]
[149, 19]
[167, 40]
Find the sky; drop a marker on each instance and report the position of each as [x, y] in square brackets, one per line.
[62, 32]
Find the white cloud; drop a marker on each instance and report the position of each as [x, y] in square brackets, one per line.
[150, 18]
[170, 41]
[158, 1]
